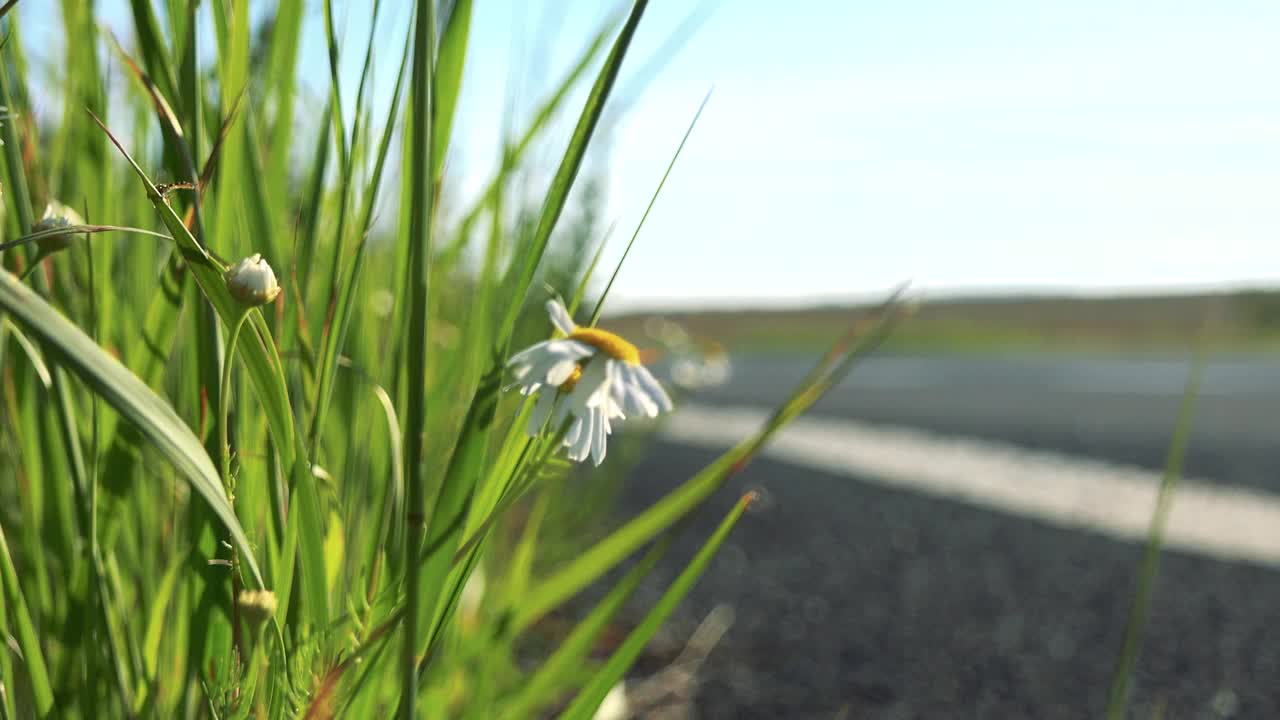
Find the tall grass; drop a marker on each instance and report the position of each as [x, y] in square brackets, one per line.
[369, 452]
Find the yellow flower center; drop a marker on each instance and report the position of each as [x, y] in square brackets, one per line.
[572, 382]
[608, 343]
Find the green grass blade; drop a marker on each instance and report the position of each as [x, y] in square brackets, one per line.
[8, 709]
[28, 641]
[345, 295]
[335, 87]
[581, 292]
[585, 704]
[156, 617]
[78, 231]
[541, 119]
[17, 191]
[558, 193]
[1122, 679]
[282, 76]
[312, 202]
[557, 671]
[449, 66]
[146, 29]
[130, 397]
[28, 347]
[595, 315]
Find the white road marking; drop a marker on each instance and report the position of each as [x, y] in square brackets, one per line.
[1116, 500]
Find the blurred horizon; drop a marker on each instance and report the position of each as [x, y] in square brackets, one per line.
[994, 149]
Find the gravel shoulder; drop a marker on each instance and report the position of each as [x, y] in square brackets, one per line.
[857, 599]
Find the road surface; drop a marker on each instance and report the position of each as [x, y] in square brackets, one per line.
[858, 593]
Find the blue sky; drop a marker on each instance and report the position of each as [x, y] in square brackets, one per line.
[964, 146]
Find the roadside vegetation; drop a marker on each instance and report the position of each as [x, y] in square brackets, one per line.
[259, 451]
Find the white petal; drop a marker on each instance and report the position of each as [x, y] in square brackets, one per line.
[561, 414]
[542, 368]
[581, 445]
[595, 378]
[527, 355]
[598, 447]
[541, 410]
[575, 432]
[637, 399]
[560, 372]
[570, 348]
[560, 317]
[651, 387]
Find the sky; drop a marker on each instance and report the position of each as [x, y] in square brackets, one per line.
[848, 146]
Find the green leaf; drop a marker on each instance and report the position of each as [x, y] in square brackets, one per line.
[130, 397]
[585, 704]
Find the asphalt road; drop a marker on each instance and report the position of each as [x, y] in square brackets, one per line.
[857, 600]
[1122, 410]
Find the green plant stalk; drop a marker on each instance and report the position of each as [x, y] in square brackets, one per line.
[419, 245]
[1122, 679]
[224, 448]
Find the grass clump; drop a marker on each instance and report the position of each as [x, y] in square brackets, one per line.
[270, 487]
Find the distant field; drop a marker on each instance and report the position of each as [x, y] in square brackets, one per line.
[1229, 322]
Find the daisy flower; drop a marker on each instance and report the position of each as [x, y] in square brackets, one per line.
[593, 377]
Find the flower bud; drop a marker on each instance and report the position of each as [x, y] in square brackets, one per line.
[56, 215]
[257, 606]
[252, 282]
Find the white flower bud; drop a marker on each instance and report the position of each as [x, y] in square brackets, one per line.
[56, 215]
[252, 282]
[257, 606]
